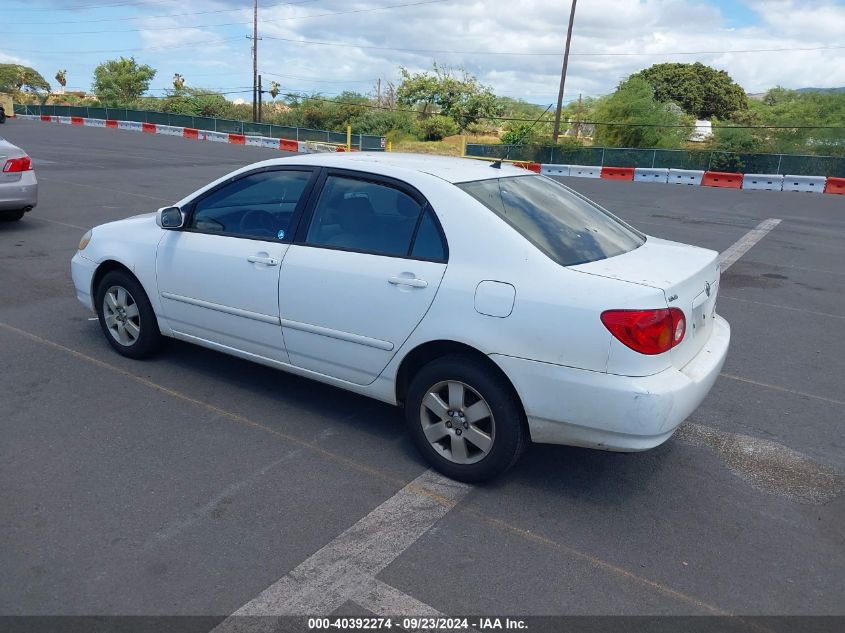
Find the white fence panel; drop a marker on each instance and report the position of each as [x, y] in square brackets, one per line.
[554, 170]
[685, 176]
[585, 171]
[768, 182]
[651, 174]
[170, 130]
[217, 137]
[804, 183]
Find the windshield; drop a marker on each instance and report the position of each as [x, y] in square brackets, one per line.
[566, 227]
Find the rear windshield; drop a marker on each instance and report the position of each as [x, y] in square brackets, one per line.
[566, 227]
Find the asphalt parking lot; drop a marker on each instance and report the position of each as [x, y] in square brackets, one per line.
[192, 483]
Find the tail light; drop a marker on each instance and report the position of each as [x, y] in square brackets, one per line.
[24, 163]
[647, 331]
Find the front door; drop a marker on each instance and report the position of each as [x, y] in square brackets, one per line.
[218, 278]
[360, 277]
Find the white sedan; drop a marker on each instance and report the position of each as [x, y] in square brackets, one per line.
[497, 306]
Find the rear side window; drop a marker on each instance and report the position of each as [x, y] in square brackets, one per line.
[566, 227]
[370, 217]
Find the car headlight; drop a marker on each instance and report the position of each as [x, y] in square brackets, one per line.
[84, 241]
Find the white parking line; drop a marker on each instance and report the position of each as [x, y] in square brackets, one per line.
[345, 567]
[739, 248]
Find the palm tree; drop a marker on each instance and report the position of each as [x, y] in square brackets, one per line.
[178, 81]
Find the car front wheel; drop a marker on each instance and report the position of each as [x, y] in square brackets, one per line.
[126, 315]
[465, 418]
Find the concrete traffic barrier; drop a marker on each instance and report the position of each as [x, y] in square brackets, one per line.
[651, 174]
[554, 170]
[217, 137]
[804, 183]
[768, 182]
[170, 130]
[582, 171]
[685, 176]
[535, 167]
[722, 179]
[835, 185]
[133, 126]
[617, 173]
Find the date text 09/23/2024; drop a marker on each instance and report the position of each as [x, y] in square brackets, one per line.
[418, 623]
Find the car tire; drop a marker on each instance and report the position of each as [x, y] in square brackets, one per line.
[465, 418]
[12, 216]
[126, 315]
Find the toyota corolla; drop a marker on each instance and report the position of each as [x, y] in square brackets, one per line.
[495, 305]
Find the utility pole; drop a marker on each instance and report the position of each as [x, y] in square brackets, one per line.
[254, 38]
[378, 92]
[260, 92]
[563, 72]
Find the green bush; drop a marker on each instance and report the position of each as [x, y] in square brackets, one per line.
[435, 128]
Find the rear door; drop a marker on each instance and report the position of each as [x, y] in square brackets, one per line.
[368, 260]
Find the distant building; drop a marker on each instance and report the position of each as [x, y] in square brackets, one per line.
[703, 131]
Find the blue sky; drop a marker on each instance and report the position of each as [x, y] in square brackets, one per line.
[513, 45]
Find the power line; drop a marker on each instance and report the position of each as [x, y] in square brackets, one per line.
[323, 81]
[539, 54]
[132, 50]
[152, 17]
[263, 21]
[76, 7]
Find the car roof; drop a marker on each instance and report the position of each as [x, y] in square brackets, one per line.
[448, 168]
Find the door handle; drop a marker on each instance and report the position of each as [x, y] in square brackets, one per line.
[413, 282]
[267, 261]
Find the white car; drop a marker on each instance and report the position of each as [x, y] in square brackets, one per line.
[497, 306]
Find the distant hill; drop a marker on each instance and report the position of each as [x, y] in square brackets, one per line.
[758, 96]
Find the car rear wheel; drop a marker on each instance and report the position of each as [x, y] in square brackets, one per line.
[465, 419]
[126, 316]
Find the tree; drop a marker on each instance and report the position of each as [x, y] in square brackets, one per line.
[61, 77]
[701, 91]
[461, 98]
[121, 81]
[639, 120]
[275, 88]
[16, 78]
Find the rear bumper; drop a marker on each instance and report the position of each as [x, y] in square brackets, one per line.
[22, 194]
[611, 412]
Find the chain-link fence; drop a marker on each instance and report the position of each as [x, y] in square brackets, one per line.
[364, 142]
[794, 164]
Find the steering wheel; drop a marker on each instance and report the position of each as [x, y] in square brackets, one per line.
[259, 223]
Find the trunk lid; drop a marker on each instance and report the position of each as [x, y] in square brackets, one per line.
[688, 277]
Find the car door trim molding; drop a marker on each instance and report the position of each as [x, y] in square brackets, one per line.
[217, 307]
[338, 334]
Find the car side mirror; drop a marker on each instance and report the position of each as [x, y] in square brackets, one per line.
[170, 218]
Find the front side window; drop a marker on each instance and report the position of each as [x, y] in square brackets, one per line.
[566, 227]
[364, 216]
[259, 205]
